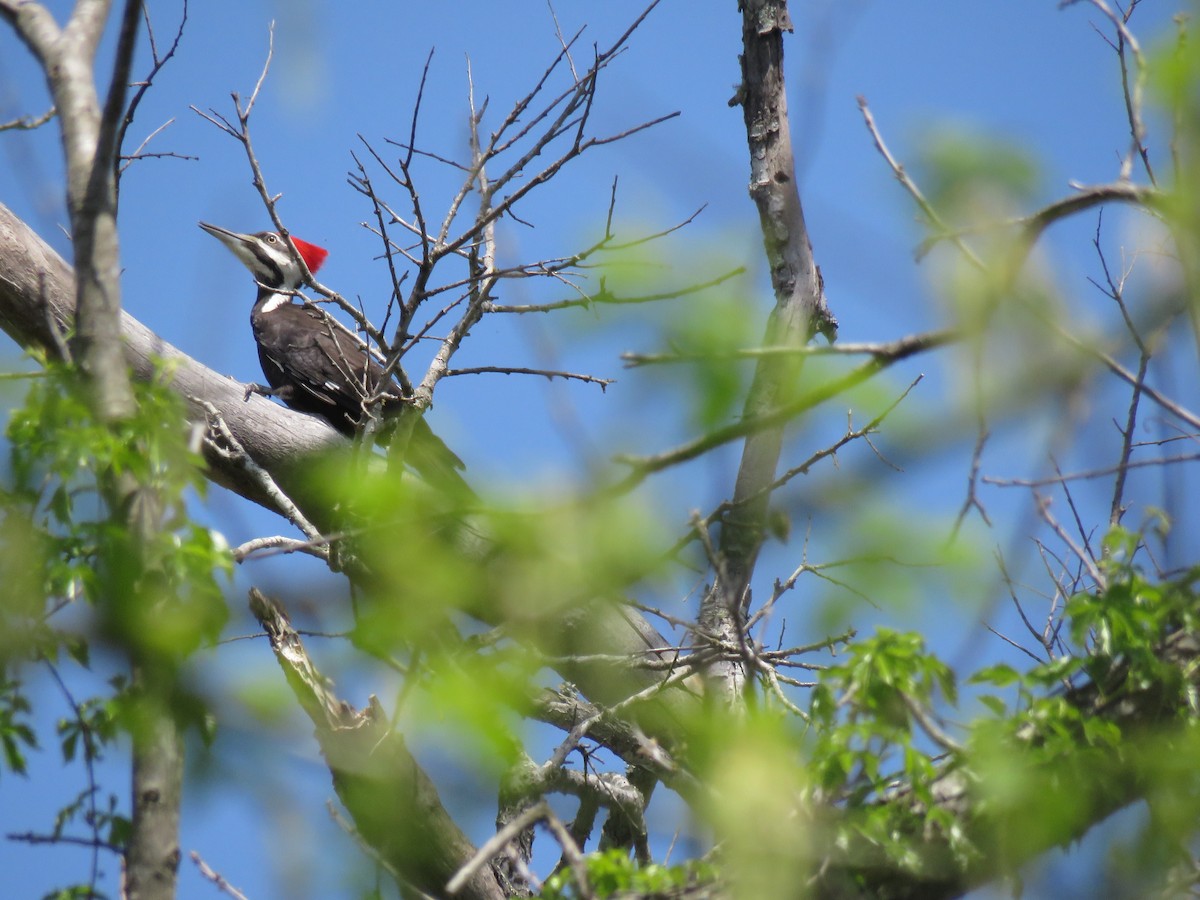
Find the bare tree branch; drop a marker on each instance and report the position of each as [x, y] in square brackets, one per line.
[29, 123]
[143, 86]
[800, 312]
[216, 878]
[643, 466]
[394, 804]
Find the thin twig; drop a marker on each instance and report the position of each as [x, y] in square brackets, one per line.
[930, 727]
[496, 843]
[931, 214]
[1043, 508]
[144, 85]
[549, 374]
[28, 123]
[643, 466]
[889, 351]
[1088, 474]
[215, 877]
[231, 448]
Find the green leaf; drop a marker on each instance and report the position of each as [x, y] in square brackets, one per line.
[994, 703]
[1000, 675]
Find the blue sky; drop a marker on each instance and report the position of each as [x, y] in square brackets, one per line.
[1027, 73]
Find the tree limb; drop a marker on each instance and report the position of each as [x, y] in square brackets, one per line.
[800, 312]
[394, 804]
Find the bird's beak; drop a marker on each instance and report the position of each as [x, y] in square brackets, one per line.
[239, 244]
[230, 239]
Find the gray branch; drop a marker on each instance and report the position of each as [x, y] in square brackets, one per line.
[800, 312]
[395, 806]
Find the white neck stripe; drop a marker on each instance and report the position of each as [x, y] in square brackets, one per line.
[274, 301]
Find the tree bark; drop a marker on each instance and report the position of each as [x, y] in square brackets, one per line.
[395, 806]
[800, 312]
[152, 857]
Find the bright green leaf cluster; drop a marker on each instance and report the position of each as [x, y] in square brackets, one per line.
[1118, 632]
[152, 589]
[612, 872]
[76, 892]
[1091, 724]
[92, 726]
[16, 735]
[1125, 624]
[100, 817]
[866, 710]
[157, 587]
[864, 706]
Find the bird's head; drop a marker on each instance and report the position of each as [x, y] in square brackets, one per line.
[267, 257]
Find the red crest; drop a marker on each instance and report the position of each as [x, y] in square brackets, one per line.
[314, 256]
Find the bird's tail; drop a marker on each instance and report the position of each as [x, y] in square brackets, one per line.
[435, 462]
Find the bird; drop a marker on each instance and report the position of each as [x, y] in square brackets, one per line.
[313, 363]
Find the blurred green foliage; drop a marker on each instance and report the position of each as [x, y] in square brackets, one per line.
[76, 576]
[959, 168]
[1097, 725]
[614, 873]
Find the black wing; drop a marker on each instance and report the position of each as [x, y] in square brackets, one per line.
[318, 367]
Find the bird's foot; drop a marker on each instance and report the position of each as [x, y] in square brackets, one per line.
[261, 389]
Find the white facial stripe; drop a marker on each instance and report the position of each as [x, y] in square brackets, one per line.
[270, 263]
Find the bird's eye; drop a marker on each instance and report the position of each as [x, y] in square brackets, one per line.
[271, 239]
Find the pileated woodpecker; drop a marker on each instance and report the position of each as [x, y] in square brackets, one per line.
[312, 363]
